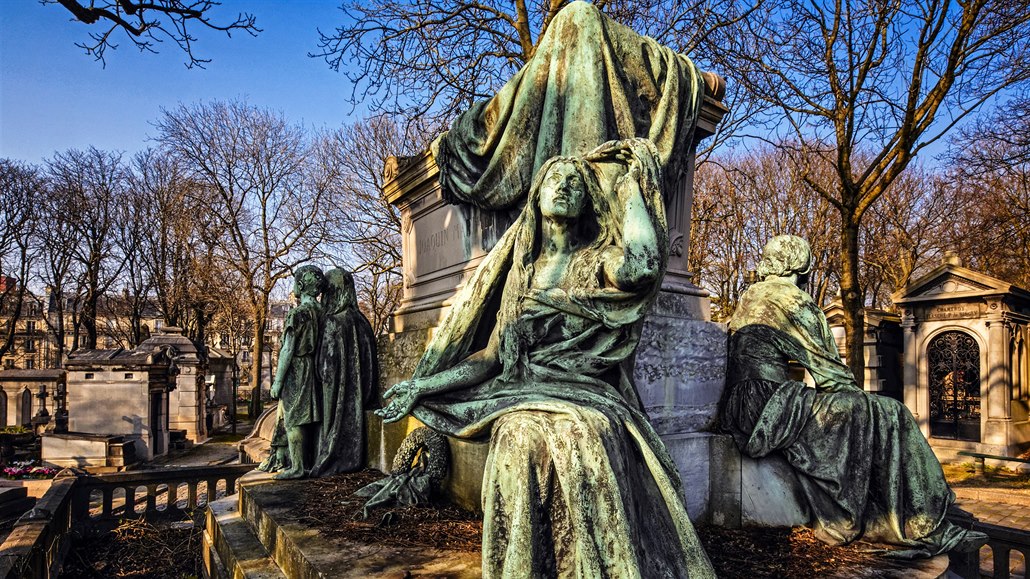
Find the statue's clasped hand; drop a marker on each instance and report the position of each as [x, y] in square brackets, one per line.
[405, 395]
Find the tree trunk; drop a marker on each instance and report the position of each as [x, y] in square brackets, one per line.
[851, 300]
[257, 360]
[89, 320]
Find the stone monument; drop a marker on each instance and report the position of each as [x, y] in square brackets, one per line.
[536, 355]
[573, 95]
[680, 366]
[967, 360]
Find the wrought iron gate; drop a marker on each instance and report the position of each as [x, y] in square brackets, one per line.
[953, 359]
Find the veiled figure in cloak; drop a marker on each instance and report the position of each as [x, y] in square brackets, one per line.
[349, 372]
[536, 354]
[591, 80]
[865, 468]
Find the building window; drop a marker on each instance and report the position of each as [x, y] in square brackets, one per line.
[953, 361]
[129, 376]
[30, 327]
[88, 376]
[8, 363]
[30, 364]
[245, 356]
[30, 345]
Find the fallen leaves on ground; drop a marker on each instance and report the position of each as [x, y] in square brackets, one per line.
[138, 549]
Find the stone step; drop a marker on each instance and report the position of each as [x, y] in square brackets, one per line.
[303, 553]
[12, 494]
[231, 550]
[14, 501]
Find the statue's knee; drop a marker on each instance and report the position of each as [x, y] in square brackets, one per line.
[519, 435]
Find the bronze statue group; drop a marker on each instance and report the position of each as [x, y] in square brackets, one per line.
[326, 378]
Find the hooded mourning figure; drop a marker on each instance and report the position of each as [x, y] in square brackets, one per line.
[862, 462]
[349, 372]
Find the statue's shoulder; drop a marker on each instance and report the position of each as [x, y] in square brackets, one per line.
[302, 314]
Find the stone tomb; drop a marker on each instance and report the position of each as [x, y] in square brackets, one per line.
[967, 360]
[681, 361]
[113, 393]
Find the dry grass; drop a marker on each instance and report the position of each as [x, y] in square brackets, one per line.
[963, 475]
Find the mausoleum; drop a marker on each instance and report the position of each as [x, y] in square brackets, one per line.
[966, 371]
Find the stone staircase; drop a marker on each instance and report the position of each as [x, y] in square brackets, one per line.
[257, 534]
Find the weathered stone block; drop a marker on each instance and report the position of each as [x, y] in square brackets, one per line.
[770, 494]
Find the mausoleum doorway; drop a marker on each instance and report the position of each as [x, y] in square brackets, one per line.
[953, 363]
[25, 409]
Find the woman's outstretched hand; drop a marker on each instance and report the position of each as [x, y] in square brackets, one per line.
[405, 395]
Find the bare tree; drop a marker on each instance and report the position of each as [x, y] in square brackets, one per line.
[368, 233]
[149, 22]
[57, 270]
[992, 161]
[864, 87]
[265, 199]
[906, 232]
[91, 186]
[20, 190]
[741, 202]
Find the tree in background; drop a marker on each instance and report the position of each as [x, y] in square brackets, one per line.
[20, 189]
[992, 159]
[863, 87]
[907, 231]
[368, 236]
[148, 23]
[89, 186]
[741, 202]
[431, 60]
[266, 197]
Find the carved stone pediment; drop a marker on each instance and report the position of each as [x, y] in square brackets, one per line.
[950, 281]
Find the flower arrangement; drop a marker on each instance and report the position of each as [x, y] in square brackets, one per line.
[26, 470]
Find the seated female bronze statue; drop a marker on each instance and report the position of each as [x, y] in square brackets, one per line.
[866, 469]
[536, 355]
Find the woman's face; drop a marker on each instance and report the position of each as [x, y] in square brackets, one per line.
[562, 192]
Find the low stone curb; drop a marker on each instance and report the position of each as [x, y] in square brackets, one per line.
[992, 496]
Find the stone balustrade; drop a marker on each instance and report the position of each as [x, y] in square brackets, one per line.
[78, 502]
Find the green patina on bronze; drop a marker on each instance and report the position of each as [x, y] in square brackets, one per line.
[348, 371]
[536, 353]
[590, 81]
[865, 468]
[325, 380]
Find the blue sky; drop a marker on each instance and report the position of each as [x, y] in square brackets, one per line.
[54, 97]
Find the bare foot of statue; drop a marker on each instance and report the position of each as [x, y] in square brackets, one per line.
[289, 474]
